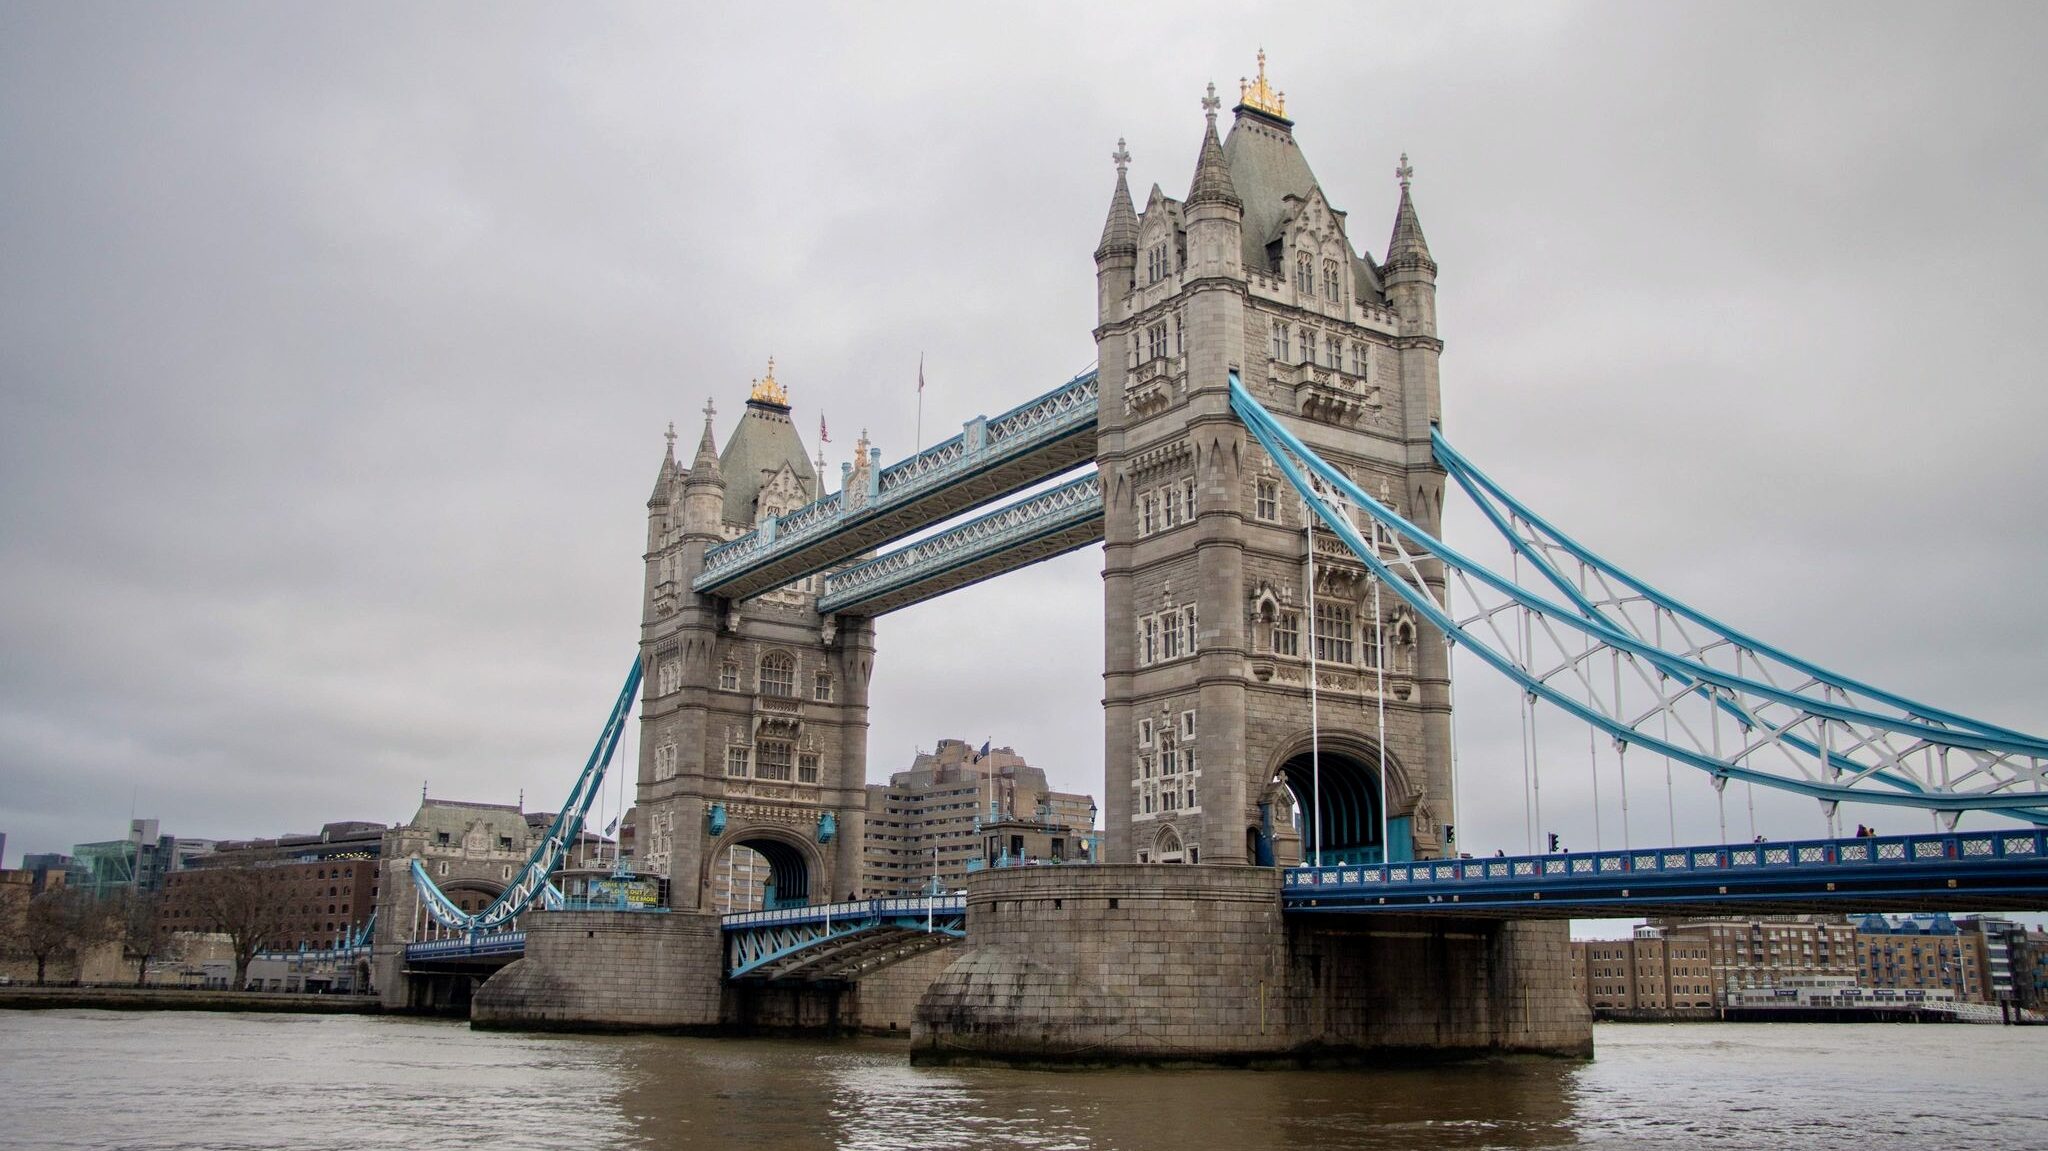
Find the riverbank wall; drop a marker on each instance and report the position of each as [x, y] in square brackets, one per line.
[172, 999]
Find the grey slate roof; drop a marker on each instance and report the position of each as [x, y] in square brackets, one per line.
[1120, 230]
[1266, 168]
[763, 442]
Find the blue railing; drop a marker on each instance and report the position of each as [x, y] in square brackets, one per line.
[849, 909]
[1564, 872]
[493, 943]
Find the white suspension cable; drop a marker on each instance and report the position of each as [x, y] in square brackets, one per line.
[1315, 739]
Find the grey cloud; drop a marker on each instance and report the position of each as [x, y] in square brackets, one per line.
[335, 347]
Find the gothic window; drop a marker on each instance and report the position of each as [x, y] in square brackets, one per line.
[1169, 637]
[1155, 341]
[1144, 767]
[1156, 265]
[1149, 649]
[1266, 505]
[772, 760]
[778, 675]
[1187, 629]
[1308, 346]
[1187, 726]
[1358, 360]
[1169, 501]
[670, 677]
[1146, 526]
[821, 690]
[1330, 279]
[1370, 643]
[1144, 733]
[1148, 811]
[729, 677]
[1287, 634]
[1280, 342]
[736, 762]
[1169, 762]
[1333, 633]
[665, 762]
[1333, 353]
[807, 767]
[1305, 274]
[1187, 495]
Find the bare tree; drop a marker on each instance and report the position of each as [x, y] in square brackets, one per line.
[249, 905]
[62, 925]
[146, 932]
[14, 899]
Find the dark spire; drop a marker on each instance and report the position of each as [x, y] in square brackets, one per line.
[667, 472]
[1212, 173]
[1407, 244]
[1120, 231]
[704, 469]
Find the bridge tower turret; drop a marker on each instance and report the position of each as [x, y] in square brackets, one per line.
[753, 724]
[1210, 635]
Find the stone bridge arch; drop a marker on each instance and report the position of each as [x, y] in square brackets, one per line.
[797, 872]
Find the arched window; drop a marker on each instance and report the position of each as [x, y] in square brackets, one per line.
[1330, 279]
[822, 689]
[1305, 274]
[778, 675]
[729, 677]
[1280, 342]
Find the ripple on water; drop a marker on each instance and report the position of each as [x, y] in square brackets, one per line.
[97, 1081]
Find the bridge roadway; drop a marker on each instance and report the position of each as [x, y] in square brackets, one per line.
[1997, 870]
[992, 457]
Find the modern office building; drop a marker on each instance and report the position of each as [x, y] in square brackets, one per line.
[925, 823]
[139, 863]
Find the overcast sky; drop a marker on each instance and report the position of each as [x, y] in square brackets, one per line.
[337, 343]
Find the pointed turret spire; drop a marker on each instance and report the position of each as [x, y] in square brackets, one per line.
[704, 469]
[1407, 245]
[1120, 230]
[666, 474]
[1212, 173]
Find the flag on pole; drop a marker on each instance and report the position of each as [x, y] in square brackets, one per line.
[983, 753]
[822, 437]
[612, 826]
[920, 373]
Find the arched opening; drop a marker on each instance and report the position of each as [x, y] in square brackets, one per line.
[754, 872]
[1347, 823]
[1167, 847]
[472, 895]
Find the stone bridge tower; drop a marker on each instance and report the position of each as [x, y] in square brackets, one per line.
[753, 724]
[1209, 630]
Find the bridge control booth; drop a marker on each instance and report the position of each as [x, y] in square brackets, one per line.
[1260, 452]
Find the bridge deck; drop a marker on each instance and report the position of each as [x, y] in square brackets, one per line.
[838, 940]
[2003, 870]
[1017, 535]
[993, 458]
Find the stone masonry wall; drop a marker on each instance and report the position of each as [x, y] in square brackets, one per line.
[608, 970]
[1164, 964]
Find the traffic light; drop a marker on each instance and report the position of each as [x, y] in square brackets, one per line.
[1553, 843]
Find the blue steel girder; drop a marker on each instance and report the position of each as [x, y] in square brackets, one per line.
[993, 457]
[839, 941]
[1016, 535]
[490, 945]
[2002, 869]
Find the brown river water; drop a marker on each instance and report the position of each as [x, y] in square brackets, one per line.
[175, 1080]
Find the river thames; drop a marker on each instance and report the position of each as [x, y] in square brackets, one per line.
[175, 1080]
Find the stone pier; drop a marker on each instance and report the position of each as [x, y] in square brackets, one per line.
[1196, 965]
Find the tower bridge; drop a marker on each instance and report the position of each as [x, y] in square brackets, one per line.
[1262, 456]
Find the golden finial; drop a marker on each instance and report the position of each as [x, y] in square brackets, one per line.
[767, 391]
[1259, 96]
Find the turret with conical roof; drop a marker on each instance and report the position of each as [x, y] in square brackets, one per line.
[1116, 257]
[1214, 214]
[704, 486]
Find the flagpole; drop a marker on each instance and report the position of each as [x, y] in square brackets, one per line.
[917, 441]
